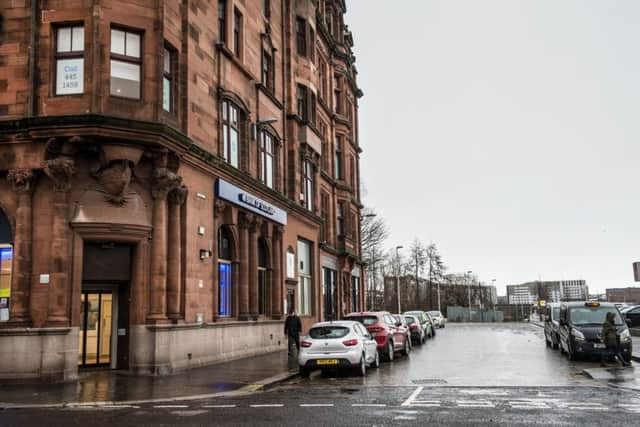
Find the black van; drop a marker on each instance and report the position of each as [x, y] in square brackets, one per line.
[581, 329]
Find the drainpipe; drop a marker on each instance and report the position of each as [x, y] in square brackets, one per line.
[32, 59]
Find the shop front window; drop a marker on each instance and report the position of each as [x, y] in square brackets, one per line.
[6, 258]
[263, 279]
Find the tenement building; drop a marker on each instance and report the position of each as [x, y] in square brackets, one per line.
[174, 177]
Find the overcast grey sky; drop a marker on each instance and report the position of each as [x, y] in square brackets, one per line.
[506, 131]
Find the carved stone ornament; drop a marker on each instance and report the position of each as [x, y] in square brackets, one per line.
[245, 220]
[278, 230]
[256, 223]
[219, 207]
[114, 180]
[178, 195]
[21, 180]
[60, 170]
[163, 182]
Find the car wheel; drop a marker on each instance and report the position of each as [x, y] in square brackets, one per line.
[361, 370]
[376, 361]
[434, 333]
[546, 341]
[555, 343]
[304, 372]
[407, 348]
[390, 351]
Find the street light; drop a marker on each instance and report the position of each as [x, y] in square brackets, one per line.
[373, 276]
[469, 292]
[398, 276]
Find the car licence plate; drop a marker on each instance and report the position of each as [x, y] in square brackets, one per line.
[598, 345]
[327, 362]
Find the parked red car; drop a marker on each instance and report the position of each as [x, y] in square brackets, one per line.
[384, 329]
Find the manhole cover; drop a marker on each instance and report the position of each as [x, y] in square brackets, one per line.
[429, 381]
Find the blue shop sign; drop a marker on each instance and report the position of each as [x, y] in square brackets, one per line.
[236, 195]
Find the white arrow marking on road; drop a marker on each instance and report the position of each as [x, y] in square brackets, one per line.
[413, 396]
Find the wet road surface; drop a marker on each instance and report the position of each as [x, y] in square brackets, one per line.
[468, 375]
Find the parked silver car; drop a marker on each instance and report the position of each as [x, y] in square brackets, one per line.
[439, 321]
[337, 345]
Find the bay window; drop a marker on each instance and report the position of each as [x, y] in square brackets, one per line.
[126, 63]
[69, 57]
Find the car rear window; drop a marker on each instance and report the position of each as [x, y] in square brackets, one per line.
[328, 332]
[435, 313]
[365, 320]
[410, 319]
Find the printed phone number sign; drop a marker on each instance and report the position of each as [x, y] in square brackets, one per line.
[70, 76]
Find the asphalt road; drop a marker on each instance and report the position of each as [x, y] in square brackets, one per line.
[467, 375]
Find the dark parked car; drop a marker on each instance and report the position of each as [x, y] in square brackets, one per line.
[632, 314]
[418, 336]
[382, 327]
[552, 325]
[581, 329]
[426, 324]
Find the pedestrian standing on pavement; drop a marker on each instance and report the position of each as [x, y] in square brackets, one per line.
[611, 340]
[292, 329]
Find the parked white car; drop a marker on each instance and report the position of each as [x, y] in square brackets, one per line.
[337, 345]
[438, 319]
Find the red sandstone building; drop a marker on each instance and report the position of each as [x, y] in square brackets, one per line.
[174, 176]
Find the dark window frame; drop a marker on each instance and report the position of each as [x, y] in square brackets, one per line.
[308, 184]
[222, 21]
[237, 32]
[72, 54]
[266, 8]
[301, 36]
[171, 76]
[226, 129]
[339, 158]
[268, 70]
[138, 61]
[264, 155]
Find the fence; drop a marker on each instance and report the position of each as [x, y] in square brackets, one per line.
[464, 314]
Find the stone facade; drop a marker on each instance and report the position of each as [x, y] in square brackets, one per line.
[173, 177]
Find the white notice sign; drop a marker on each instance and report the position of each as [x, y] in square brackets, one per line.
[70, 76]
[291, 265]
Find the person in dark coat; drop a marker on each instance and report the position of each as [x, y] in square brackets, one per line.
[611, 340]
[292, 329]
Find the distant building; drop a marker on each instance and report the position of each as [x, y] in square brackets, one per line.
[549, 291]
[628, 295]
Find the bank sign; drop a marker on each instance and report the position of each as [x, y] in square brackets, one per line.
[236, 195]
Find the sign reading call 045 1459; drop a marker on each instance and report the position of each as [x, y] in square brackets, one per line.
[227, 191]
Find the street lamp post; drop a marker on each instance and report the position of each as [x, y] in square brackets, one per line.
[398, 276]
[469, 293]
[372, 283]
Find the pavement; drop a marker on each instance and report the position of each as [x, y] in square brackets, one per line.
[469, 374]
[103, 387]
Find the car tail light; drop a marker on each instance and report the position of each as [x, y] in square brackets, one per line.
[350, 343]
[305, 344]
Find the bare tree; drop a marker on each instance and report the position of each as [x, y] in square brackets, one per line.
[416, 261]
[436, 269]
[374, 233]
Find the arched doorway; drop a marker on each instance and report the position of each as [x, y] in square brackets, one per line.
[263, 278]
[6, 260]
[225, 276]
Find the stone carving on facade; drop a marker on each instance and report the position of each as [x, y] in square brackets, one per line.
[163, 182]
[245, 220]
[60, 170]
[178, 195]
[21, 180]
[219, 207]
[114, 181]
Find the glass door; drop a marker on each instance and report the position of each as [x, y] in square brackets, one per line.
[94, 346]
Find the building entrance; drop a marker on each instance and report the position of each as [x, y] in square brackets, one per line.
[96, 327]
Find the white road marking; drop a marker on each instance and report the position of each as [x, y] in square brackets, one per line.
[413, 396]
[219, 406]
[268, 405]
[588, 408]
[315, 405]
[630, 407]
[475, 404]
[117, 406]
[373, 405]
[170, 406]
[528, 404]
